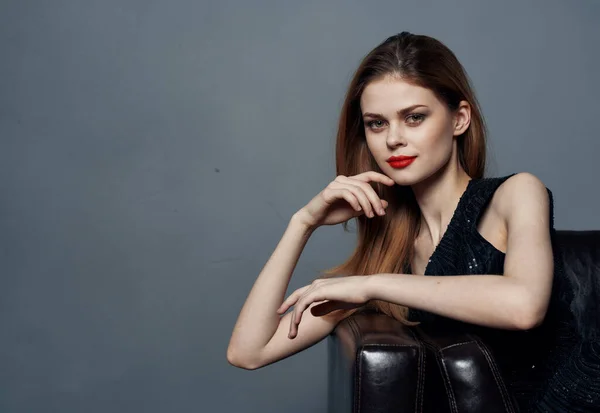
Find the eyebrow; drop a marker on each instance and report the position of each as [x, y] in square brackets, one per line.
[400, 112]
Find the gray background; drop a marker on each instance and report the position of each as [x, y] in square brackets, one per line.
[152, 153]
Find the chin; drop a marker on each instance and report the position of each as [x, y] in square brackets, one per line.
[406, 177]
[402, 178]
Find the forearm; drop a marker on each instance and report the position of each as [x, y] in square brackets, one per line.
[490, 300]
[258, 319]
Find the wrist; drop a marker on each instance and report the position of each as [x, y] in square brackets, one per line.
[299, 219]
[371, 286]
[298, 225]
[377, 285]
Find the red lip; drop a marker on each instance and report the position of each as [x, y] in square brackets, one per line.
[400, 161]
[399, 158]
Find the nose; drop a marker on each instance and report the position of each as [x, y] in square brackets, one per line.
[394, 137]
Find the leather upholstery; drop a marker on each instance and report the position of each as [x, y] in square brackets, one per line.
[378, 365]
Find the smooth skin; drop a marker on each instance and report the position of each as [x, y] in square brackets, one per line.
[260, 335]
[516, 221]
[517, 300]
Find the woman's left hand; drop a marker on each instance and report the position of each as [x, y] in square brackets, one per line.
[345, 292]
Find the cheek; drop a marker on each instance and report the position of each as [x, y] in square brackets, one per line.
[435, 145]
[436, 136]
[379, 151]
[376, 146]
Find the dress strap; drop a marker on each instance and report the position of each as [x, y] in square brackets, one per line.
[481, 195]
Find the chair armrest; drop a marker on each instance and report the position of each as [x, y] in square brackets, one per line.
[470, 377]
[377, 364]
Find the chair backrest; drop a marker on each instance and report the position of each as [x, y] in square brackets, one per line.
[579, 252]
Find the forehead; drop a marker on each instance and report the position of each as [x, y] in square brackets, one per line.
[391, 94]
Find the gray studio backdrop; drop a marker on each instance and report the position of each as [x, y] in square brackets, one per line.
[152, 153]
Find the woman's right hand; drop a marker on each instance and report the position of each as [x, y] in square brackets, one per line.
[345, 197]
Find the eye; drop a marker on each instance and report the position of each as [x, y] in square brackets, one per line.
[418, 116]
[375, 124]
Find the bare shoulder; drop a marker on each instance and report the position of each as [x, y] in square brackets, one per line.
[522, 191]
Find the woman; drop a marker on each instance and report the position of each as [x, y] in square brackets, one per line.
[410, 162]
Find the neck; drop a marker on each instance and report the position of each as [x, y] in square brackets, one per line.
[438, 198]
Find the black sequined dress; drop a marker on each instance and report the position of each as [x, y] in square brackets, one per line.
[551, 368]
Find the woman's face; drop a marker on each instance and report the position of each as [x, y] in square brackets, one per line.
[404, 119]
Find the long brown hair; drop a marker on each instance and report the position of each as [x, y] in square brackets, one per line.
[385, 245]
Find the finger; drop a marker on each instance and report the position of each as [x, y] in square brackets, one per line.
[366, 191]
[371, 194]
[330, 306]
[297, 317]
[301, 306]
[353, 191]
[375, 176]
[336, 193]
[293, 331]
[295, 320]
[288, 302]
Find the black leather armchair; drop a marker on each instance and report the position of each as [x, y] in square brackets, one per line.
[378, 365]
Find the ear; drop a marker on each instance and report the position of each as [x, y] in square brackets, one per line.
[462, 118]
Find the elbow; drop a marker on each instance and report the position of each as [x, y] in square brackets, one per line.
[236, 361]
[529, 318]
